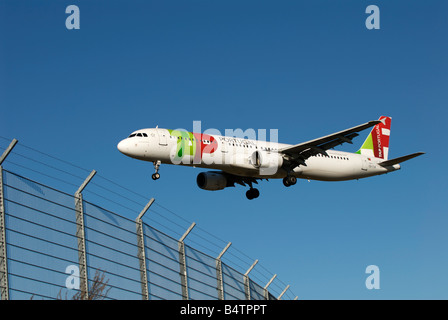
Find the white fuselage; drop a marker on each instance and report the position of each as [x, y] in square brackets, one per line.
[235, 156]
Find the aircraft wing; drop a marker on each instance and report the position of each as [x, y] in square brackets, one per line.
[302, 151]
[232, 179]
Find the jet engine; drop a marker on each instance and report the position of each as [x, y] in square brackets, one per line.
[211, 181]
[264, 160]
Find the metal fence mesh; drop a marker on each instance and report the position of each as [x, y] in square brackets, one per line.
[40, 236]
[42, 252]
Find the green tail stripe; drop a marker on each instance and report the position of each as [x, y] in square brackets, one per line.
[368, 144]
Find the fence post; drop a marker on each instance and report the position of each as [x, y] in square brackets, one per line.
[141, 251]
[220, 285]
[247, 280]
[80, 234]
[283, 292]
[266, 292]
[183, 263]
[4, 285]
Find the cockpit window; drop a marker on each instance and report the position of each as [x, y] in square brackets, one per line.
[139, 134]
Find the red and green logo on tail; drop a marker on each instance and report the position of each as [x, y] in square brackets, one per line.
[377, 142]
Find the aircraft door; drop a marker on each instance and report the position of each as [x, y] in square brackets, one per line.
[224, 146]
[162, 137]
[364, 164]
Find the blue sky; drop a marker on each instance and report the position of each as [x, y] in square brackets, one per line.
[306, 68]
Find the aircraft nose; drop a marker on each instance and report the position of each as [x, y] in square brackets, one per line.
[123, 146]
[131, 147]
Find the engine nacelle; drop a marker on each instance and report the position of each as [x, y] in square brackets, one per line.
[264, 160]
[211, 181]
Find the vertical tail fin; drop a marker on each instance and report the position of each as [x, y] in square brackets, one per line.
[377, 142]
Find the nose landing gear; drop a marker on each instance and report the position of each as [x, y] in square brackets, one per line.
[156, 175]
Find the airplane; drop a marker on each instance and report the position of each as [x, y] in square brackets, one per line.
[245, 161]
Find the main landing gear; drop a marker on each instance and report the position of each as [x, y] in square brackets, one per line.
[156, 175]
[252, 193]
[289, 181]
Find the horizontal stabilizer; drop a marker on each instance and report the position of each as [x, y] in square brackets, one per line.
[400, 159]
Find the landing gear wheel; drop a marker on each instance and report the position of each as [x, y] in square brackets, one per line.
[252, 193]
[292, 180]
[289, 181]
[155, 176]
